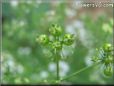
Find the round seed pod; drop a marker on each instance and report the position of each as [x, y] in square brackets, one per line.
[68, 39]
[108, 60]
[107, 47]
[43, 39]
[55, 30]
[108, 70]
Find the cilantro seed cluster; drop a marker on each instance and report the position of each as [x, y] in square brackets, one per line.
[58, 41]
[105, 57]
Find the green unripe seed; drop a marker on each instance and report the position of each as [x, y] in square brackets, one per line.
[68, 39]
[43, 39]
[107, 47]
[55, 30]
[57, 45]
[108, 60]
[108, 71]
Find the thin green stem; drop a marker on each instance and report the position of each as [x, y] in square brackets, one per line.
[57, 65]
[57, 69]
[57, 60]
[75, 73]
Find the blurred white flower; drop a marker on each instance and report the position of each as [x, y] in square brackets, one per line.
[9, 63]
[84, 35]
[39, 1]
[70, 29]
[88, 58]
[70, 12]
[20, 69]
[64, 68]
[52, 67]
[14, 3]
[22, 23]
[43, 74]
[66, 51]
[24, 50]
[78, 24]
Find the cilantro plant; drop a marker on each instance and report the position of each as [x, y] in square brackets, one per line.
[54, 58]
[57, 43]
[104, 54]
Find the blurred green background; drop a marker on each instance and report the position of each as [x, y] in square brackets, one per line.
[25, 61]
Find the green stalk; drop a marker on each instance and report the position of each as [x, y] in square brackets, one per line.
[57, 65]
[57, 60]
[75, 73]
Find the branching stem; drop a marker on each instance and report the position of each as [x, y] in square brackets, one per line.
[75, 73]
